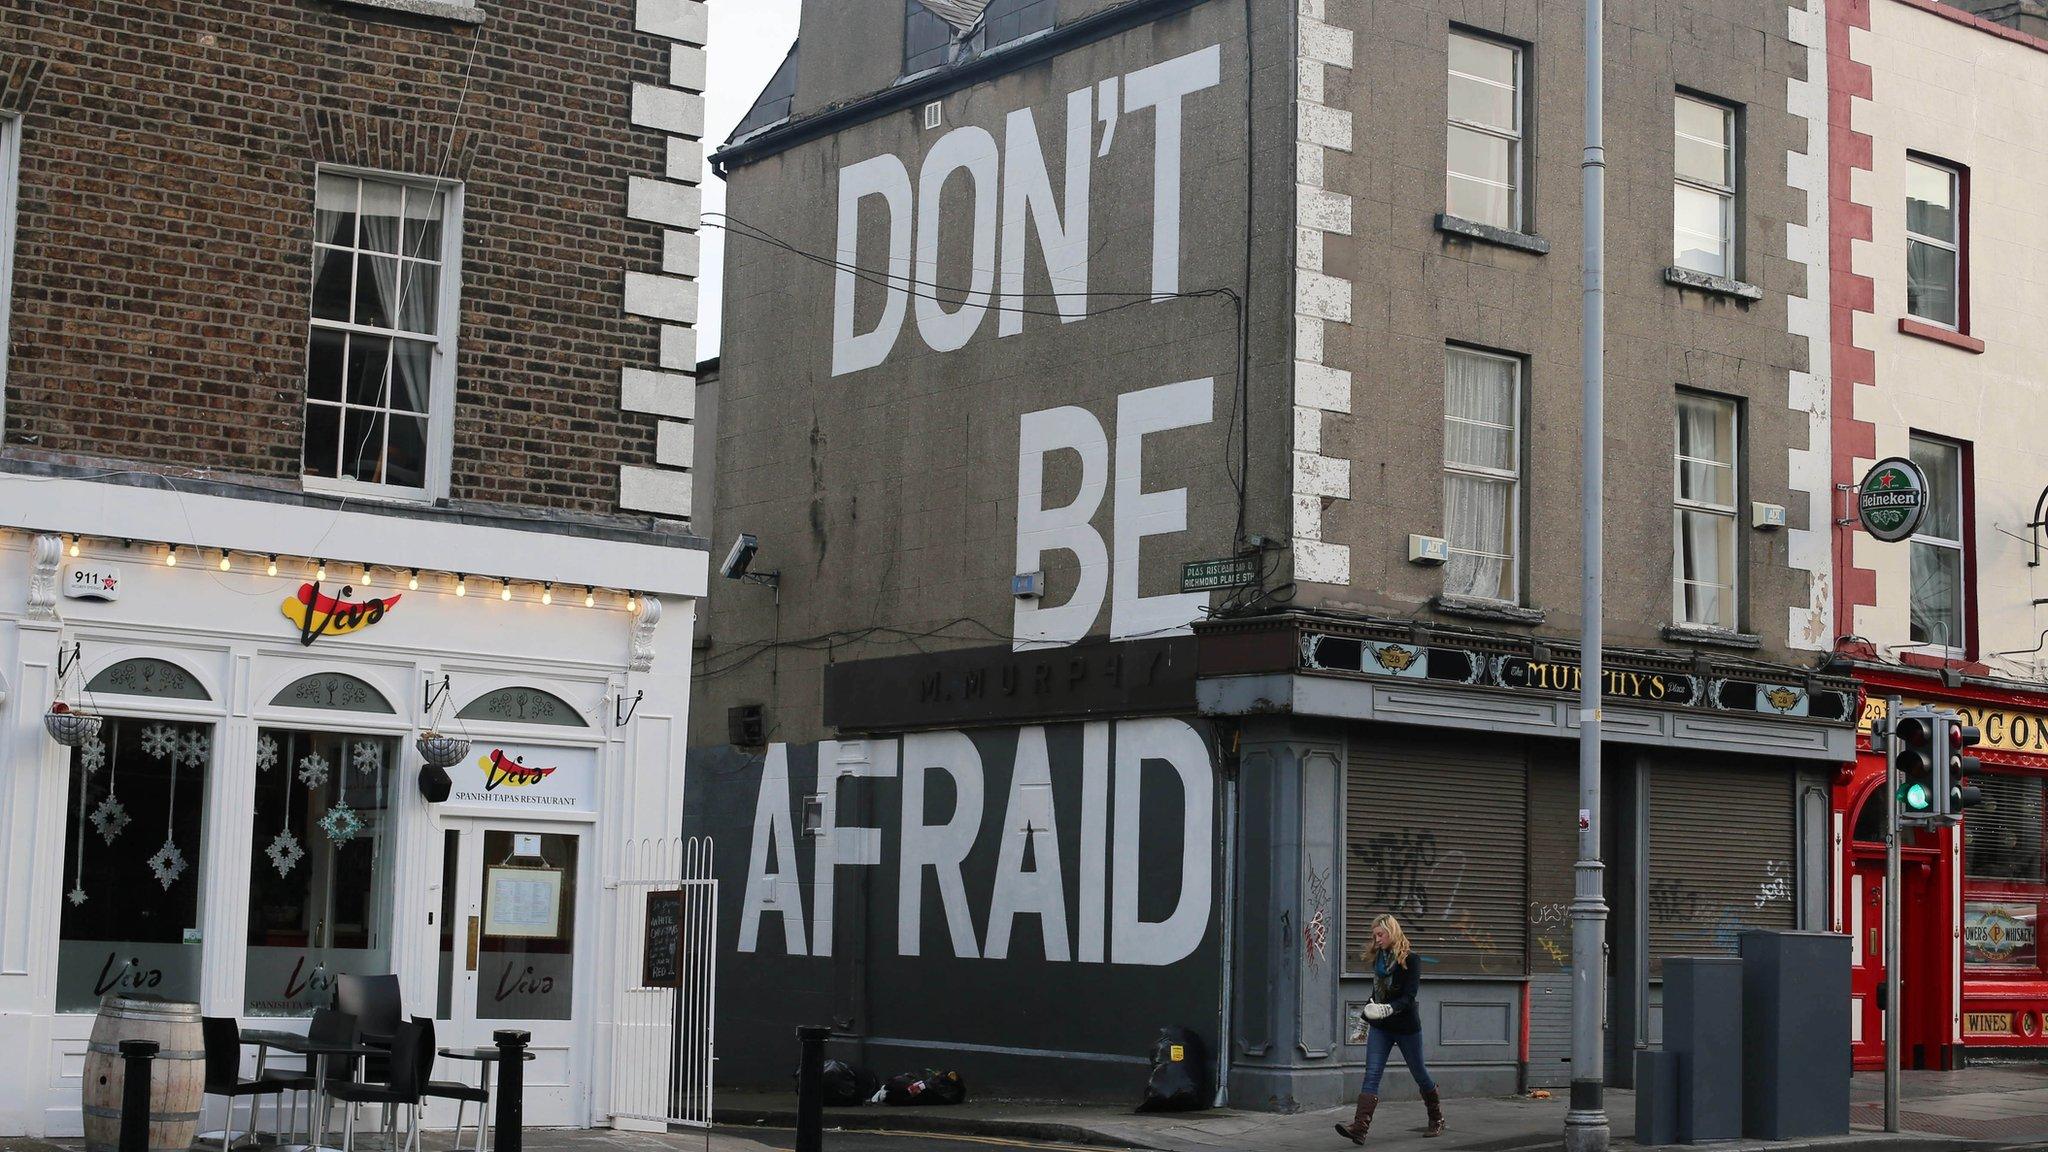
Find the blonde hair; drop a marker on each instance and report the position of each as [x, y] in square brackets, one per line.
[1397, 940]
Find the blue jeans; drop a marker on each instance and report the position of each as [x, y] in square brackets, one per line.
[1379, 1044]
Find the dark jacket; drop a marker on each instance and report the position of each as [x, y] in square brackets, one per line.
[1397, 990]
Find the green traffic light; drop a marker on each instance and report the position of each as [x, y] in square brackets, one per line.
[1915, 796]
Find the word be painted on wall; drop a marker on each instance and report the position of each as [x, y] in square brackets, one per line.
[1007, 181]
[318, 614]
[1105, 571]
[1098, 824]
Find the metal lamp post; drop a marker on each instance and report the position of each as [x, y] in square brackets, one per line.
[1585, 1125]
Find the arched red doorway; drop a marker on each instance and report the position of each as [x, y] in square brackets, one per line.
[1926, 974]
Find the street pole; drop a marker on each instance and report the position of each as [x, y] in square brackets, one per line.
[1585, 1125]
[1892, 709]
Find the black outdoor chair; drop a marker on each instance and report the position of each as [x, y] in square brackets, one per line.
[375, 1003]
[223, 1039]
[463, 1094]
[333, 1027]
[400, 1090]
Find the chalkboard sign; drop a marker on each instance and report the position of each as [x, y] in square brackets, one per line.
[661, 960]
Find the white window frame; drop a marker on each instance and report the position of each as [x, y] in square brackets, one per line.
[441, 400]
[1731, 511]
[1517, 150]
[1955, 211]
[1726, 192]
[10, 195]
[1960, 546]
[1511, 593]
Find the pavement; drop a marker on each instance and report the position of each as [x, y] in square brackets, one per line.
[1981, 1108]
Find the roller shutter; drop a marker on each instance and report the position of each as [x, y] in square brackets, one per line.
[1553, 850]
[1436, 833]
[1723, 855]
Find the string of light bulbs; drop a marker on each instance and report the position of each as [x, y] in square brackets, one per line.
[366, 573]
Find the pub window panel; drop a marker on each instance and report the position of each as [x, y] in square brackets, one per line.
[1939, 605]
[1482, 474]
[133, 879]
[1706, 486]
[1934, 242]
[320, 869]
[2002, 834]
[1483, 152]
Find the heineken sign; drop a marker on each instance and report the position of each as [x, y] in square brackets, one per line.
[1893, 499]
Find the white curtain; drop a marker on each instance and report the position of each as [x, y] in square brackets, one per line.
[1481, 465]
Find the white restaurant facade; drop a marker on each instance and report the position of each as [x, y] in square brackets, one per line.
[249, 821]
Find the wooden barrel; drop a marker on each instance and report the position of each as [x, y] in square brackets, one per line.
[177, 1080]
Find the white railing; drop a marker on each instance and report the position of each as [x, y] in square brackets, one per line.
[663, 1038]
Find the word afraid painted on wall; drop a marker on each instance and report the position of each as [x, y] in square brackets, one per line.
[1139, 512]
[1102, 820]
[1009, 181]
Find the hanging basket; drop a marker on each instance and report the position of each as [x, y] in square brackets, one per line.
[71, 729]
[440, 751]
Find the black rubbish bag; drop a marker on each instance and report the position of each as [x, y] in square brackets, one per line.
[1180, 1073]
[930, 1086]
[845, 1085]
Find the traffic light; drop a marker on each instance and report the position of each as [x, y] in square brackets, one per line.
[1920, 738]
[1961, 767]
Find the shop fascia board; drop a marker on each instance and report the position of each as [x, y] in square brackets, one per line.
[1478, 710]
[429, 542]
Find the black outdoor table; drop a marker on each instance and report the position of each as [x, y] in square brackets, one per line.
[302, 1045]
[486, 1057]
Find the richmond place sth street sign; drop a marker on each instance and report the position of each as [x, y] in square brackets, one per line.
[1892, 499]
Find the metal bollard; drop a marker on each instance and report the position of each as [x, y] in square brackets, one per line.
[810, 1088]
[138, 1055]
[510, 1122]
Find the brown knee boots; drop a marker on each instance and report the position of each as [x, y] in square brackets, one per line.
[1434, 1102]
[1361, 1120]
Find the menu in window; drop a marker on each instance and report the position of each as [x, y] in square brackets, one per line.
[523, 902]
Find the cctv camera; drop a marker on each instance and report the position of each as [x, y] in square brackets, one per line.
[737, 560]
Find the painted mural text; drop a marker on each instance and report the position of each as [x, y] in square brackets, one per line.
[1101, 925]
[1107, 569]
[1006, 182]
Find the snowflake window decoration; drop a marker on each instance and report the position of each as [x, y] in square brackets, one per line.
[159, 740]
[93, 755]
[168, 864]
[313, 770]
[195, 748]
[110, 818]
[284, 852]
[266, 753]
[76, 895]
[341, 824]
[368, 758]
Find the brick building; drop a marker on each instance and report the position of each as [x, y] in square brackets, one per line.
[1034, 305]
[346, 359]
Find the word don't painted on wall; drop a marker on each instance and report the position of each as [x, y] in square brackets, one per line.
[1007, 182]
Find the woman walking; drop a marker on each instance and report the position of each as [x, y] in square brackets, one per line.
[1396, 978]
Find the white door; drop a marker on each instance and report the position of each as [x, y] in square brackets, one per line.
[515, 912]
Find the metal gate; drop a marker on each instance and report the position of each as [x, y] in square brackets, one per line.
[662, 1037]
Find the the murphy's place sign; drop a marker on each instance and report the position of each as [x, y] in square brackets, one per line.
[1325, 652]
